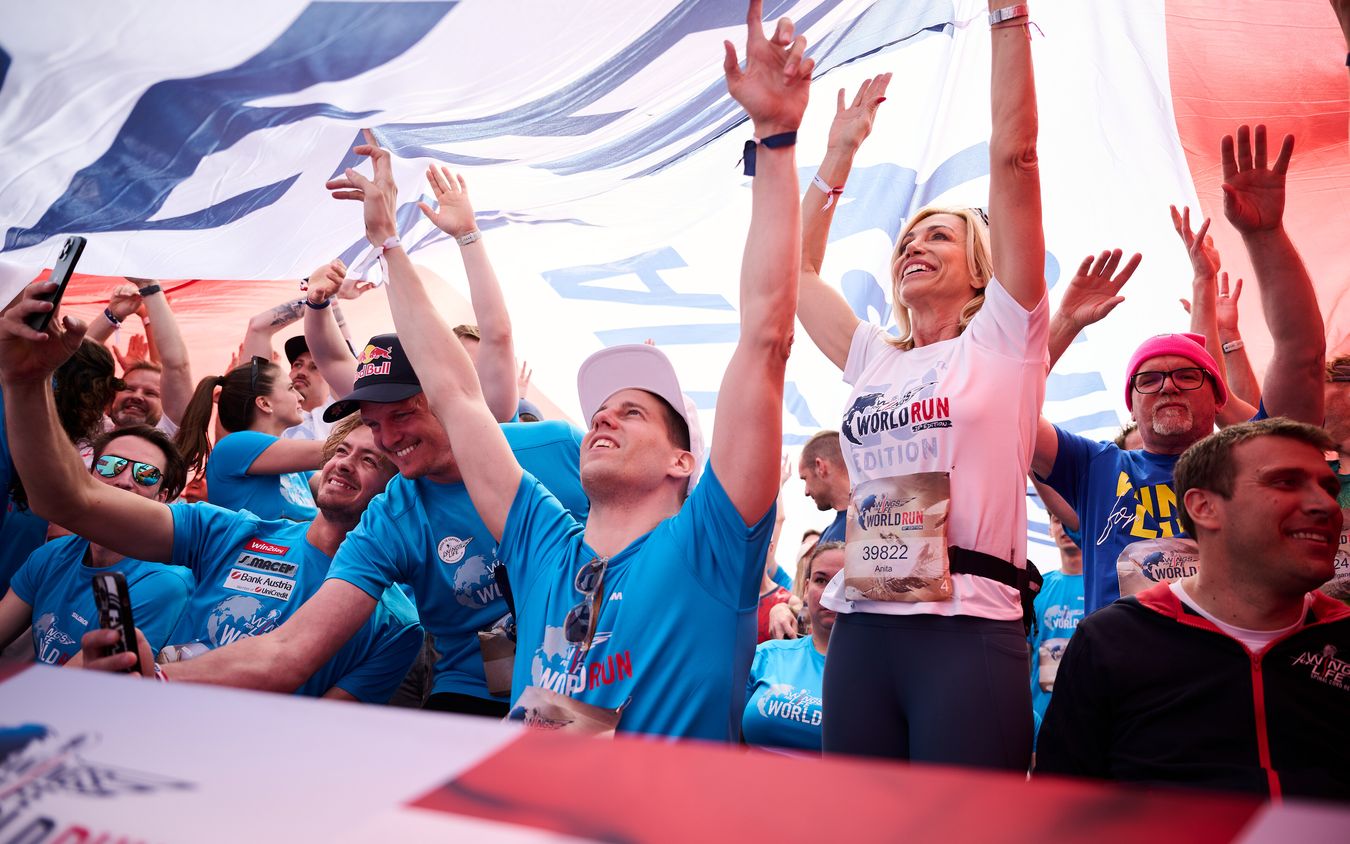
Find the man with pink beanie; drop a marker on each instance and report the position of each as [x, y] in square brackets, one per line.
[1129, 517]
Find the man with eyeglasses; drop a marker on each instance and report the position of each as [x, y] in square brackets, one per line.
[1129, 516]
[252, 573]
[51, 590]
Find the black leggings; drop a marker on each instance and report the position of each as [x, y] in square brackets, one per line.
[929, 688]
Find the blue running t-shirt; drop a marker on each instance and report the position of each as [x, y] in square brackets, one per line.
[783, 706]
[253, 574]
[55, 582]
[1059, 607]
[427, 535]
[1123, 498]
[676, 629]
[229, 485]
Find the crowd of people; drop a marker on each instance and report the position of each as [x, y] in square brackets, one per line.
[398, 525]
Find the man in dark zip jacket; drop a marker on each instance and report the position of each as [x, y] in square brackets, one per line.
[1237, 677]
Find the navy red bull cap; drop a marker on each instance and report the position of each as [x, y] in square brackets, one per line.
[383, 374]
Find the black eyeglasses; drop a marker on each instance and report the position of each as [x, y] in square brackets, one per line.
[111, 465]
[253, 374]
[1186, 378]
[579, 626]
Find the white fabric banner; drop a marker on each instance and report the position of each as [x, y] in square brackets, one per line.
[600, 148]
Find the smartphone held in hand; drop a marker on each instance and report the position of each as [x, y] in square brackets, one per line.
[114, 611]
[61, 273]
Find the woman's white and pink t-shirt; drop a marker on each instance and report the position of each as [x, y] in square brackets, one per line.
[968, 406]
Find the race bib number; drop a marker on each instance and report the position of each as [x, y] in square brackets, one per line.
[1339, 585]
[1048, 657]
[1151, 561]
[897, 539]
[545, 709]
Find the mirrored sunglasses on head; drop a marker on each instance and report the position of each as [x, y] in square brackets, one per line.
[111, 465]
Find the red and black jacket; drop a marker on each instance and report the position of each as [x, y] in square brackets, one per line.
[1149, 691]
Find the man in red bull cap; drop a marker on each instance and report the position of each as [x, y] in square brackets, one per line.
[1127, 507]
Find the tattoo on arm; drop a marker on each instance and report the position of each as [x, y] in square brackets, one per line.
[287, 313]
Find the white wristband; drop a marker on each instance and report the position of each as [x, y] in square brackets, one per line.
[1007, 13]
[830, 192]
[468, 237]
[1232, 346]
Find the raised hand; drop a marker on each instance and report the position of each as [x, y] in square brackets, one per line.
[453, 213]
[26, 355]
[776, 82]
[378, 195]
[1226, 306]
[325, 282]
[1199, 245]
[125, 300]
[138, 349]
[853, 123]
[523, 379]
[1253, 194]
[1094, 291]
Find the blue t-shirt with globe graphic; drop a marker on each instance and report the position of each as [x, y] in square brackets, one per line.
[676, 628]
[229, 485]
[253, 574]
[784, 707]
[427, 535]
[56, 583]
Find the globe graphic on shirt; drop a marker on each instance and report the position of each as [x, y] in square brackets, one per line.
[551, 655]
[295, 490]
[474, 584]
[234, 617]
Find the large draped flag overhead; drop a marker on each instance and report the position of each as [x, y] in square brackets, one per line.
[600, 148]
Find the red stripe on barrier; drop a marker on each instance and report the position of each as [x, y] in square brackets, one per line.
[636, 790]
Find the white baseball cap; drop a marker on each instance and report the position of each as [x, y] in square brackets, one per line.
[642, 367]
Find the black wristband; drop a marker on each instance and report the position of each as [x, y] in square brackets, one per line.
[783, 139]
[149, 290]
[326, 303]
[111, 317]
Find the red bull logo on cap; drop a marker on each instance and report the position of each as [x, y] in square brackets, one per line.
[366, 366]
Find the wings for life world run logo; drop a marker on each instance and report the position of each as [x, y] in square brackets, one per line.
[36, 763]
[888, 428]
[375, 360]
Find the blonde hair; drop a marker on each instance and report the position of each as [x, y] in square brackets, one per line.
[979, 258]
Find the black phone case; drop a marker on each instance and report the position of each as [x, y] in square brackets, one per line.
[114, 610]
[61, 273]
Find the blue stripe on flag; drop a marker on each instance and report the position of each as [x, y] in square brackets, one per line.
[179, 122]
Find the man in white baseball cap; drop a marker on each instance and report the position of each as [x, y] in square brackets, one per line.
[642, 619]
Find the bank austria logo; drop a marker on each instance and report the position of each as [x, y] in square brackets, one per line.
[36, 763]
